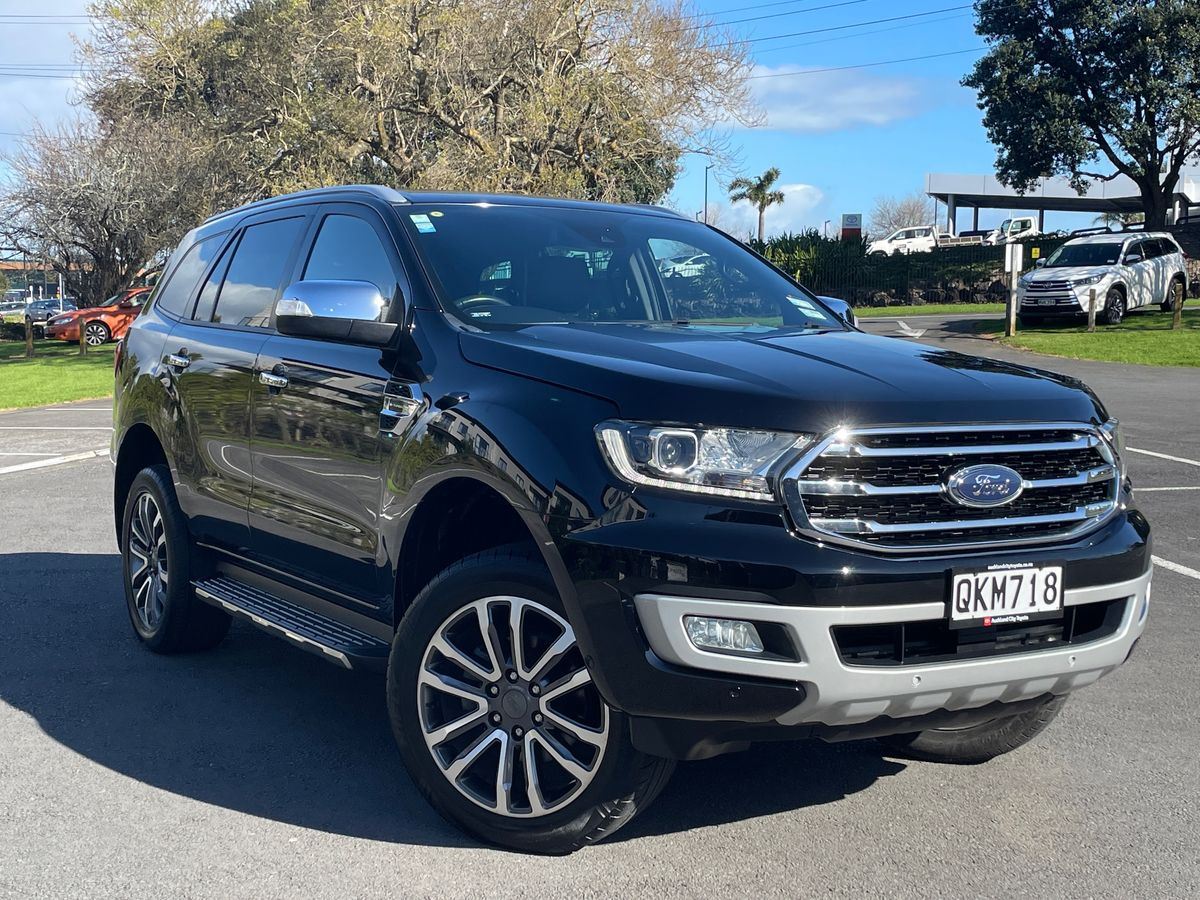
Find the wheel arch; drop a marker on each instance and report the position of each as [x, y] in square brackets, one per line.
[457, 514]
[139, 448]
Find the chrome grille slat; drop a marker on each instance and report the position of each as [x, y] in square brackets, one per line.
[866, 489]
[1085, 442]
[885, 488]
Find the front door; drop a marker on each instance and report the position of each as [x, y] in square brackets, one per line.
[322, 427]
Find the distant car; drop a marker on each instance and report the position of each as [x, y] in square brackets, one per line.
[685, 266]
[39, 312]
[12, 312]
[1127, 271]
[1011, 230]
[913, 239]
[101, 324]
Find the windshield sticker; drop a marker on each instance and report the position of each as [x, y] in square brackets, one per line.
[423, 224]
[803, 304]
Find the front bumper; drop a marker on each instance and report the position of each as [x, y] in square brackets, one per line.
[634, 576]
[839, 694]
[66, 332]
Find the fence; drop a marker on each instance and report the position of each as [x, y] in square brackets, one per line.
[966, 274]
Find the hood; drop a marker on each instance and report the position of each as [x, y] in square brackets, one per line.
[1066, 273]
[783, 379]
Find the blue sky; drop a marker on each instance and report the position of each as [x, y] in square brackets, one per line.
[843, 138]
[840, 138]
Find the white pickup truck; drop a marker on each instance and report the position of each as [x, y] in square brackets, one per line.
[1010, 230]
[912, 239]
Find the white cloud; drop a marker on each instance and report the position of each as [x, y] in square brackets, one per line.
[800, 209]
[834, 101]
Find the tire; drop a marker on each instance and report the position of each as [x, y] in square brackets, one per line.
[1177, 290]
[614, 779]
[1114, 307]
[978, 743]
[96, 334]
[165, 613]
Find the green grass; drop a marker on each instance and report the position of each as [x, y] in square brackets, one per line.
[56, 374]
[1143, 338]
[929, 309]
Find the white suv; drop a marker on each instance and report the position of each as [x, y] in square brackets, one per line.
[1127, 271]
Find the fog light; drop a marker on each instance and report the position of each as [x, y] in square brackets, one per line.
[722, 635]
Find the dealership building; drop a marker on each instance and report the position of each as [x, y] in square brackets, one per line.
[1120, 195]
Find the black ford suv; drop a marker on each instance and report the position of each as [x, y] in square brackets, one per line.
[593, 510]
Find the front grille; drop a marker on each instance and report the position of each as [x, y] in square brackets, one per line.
[933, 640]
[888, 488]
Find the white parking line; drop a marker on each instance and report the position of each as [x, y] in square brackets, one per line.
[55, 428]
[1176, 568]
[25, 453]
[1146, 490]
[1178, 459]
[55, 461]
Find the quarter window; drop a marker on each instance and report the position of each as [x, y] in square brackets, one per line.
[173, 297]
[255, 272]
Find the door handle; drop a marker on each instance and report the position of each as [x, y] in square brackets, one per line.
[273, 380]
[179, 360]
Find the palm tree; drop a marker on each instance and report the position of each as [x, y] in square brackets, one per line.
[760, 193]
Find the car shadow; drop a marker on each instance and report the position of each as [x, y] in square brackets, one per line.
[262, 728]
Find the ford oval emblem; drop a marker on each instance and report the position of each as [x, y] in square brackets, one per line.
[984, 485]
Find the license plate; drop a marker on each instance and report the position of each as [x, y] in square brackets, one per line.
[1046, 301]
[1003, 596]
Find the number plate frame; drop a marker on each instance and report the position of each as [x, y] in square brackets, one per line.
[1021, 613]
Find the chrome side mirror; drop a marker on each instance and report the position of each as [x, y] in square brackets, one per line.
[841, 309]
[349, 311]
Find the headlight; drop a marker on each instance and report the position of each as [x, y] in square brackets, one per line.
[1111, 432]
[1084, 282]
[728, 462]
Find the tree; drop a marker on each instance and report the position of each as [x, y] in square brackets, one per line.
[1092, 89]
[760, 192]
[595, 99]
[97, 205]
[891, 213]
[4, 282]
[1118, 220]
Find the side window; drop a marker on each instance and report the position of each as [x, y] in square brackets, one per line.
[348, 249]
[174, 295]
[255, 272]
[1152, 249]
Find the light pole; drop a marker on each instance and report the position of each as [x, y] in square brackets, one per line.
[706, 168]
[825, 228]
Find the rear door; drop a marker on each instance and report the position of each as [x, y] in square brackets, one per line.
[211, 355]
[318, 440]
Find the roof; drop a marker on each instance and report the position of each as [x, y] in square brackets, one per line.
[985, 191]
[392, 196]
[1113, 237]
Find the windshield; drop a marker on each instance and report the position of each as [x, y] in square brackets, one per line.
[1100, 254]
[498, 266]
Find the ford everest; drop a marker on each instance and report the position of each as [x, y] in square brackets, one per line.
[590, 519]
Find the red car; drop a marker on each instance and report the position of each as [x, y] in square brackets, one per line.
[100, 323]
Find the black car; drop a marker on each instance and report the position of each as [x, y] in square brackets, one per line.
[591, 519]
[39, 312]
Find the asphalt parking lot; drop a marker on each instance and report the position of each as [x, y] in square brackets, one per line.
[260, 771]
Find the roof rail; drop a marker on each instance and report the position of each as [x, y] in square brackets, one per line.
[387, 194]
[1080, 232]
[656, 208]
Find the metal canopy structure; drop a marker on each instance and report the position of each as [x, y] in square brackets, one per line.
[1120, 195]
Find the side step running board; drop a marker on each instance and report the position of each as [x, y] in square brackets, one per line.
[311, 631]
